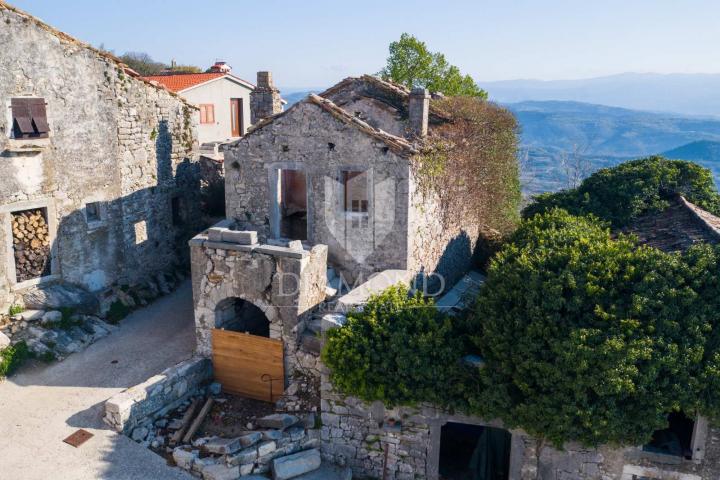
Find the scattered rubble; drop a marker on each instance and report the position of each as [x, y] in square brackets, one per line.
[58, 319]
[257, 443]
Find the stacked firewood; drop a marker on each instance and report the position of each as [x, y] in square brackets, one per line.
[31, 239]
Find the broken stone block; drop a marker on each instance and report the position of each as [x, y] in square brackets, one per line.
[278, 421]
[291, 466]
[184, 458]
[34, 315]
[215, 234]
[51, 317]
[4, 341]
[243, 457]
[139, 434]
[240, 237]
[265, 448]
[271, 435]
[329, 472]
[295, 433]
[201, 464]
[220, 471]
[222, 446]
[295, 245]
[57, 295]
[250, 439]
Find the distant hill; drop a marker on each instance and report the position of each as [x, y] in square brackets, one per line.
[690, 94]
[294, 97]
[557, 133]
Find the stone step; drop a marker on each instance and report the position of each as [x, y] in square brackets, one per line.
[292, 466]
[326, 472]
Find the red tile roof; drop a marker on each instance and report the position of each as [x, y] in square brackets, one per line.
[182, 81]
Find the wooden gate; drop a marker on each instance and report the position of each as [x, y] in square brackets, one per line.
[248, 365]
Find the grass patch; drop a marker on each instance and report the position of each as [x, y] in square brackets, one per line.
[12, 357]
[15, 309]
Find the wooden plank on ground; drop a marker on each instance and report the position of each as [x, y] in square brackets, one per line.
[243, 363]
[185, 422]
[198, 420]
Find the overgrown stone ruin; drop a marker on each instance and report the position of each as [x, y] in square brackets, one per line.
[31, 242]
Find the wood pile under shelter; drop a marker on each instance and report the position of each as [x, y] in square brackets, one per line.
[31, 241]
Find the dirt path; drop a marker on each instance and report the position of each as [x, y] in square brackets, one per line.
[41, 405]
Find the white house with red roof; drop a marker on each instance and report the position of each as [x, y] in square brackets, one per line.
[223, 100]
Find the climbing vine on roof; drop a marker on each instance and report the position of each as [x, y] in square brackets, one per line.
[470, 163]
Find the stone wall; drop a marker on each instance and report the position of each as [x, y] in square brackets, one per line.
[285, 283]
[443, 250]
[154, 398]
[309, 139]
[404, 443]
[113, 139]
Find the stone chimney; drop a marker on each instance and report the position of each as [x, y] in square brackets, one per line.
[418, 111]
[265, 99]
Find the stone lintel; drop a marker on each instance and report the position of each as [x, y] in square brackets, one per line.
[282, 251]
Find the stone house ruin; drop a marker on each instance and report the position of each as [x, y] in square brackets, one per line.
[337, 169]
[294, 212]
[98, 181]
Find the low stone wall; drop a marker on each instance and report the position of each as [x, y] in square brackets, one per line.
[157, 395]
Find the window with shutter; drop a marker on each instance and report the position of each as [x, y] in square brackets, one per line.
[29, 118]
[207, 113]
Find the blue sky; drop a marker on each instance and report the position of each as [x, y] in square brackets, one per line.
[316, 43]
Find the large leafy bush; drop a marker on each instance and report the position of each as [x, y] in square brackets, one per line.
[586, 337]
[622, 193]
[398, 349]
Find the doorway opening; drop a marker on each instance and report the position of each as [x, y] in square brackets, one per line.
[293, 204]
[238, 315]
[237, 124]
[676, 439]
[473, 452]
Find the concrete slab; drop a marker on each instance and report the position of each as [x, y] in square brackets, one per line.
[43, 404]
[360, 295]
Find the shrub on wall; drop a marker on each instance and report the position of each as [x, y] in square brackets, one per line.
[631, 189]
[470, 163]
[585, 337]
[398, 349]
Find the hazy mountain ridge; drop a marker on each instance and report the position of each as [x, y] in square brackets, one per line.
[690, 94]
[558, 135]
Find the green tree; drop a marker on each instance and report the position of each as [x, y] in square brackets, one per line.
[399, 349]
[586, 337]
[142, 63]
[624, 192]
[411, 64]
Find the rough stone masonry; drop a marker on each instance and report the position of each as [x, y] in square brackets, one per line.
[112, 177]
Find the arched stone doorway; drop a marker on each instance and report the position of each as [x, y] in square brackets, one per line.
[238, 315]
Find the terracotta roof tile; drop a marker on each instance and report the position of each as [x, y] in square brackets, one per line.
[182, 81]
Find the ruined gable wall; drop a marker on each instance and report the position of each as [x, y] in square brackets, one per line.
[308, 138]
[444, 250]
[101, 148]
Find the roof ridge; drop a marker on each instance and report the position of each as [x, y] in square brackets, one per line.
[708, 220]
[399, 145]
[70, 39]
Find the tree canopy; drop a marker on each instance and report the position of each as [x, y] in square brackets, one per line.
[586, 337]
[398, 349]
[412, 64]
[631, 189]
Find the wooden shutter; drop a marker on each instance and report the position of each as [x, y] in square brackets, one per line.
[39, 115]
[203, 113]
[29, 117]
[211, 113]
[22, 118]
